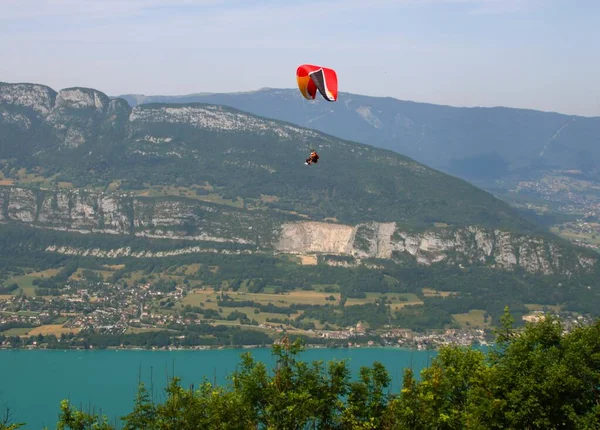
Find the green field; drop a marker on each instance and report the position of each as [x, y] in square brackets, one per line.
[591, 238]
[17, 331]
[395, 298]
[20, 313]
[473, 319]
[105, 274]
[208, 299]
[135, 330]
[538, 307]
[25, 282]
[189, 192]
[430, 292]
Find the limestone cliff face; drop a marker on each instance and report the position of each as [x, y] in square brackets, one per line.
[172, 218]
[74, 114]
[214, 118]
[124, 214]
[313, 237]
[454, 246]
[44, 100]
[84, 121]
[82, 98]
[39, 98]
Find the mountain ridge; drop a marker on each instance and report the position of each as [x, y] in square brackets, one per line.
[133, 97]
[198, 197]
[125, 129]
[129, 157]
[479, 144]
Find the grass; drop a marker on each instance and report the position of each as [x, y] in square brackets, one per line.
[308, 260]
[260, 317]
[268, 199]
[78, 274]
[28, 313]
[17, 332]
[190, 193]
[136, 330]
[316, 322]
[539, 307]
[207, 299]
[198, 297]
[178, 274]
[321, 287]
[473, 319]
[25, 282]
[572, 235]
[286, 299]
[189, 270]
[133, 278]
[32, 178]
[430, 292]
[114, 266]
[397, 303]
[20, 313]
[55, 329]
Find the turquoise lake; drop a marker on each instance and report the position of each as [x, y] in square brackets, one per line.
[33, 382]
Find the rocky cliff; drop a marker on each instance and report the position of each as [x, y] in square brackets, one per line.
[39, 98]
[464, 246]
[120, 213]
[181, 218]
[80, 136]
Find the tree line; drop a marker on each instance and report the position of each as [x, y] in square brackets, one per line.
[539, 377]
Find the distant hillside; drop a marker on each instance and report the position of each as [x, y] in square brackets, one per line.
[80, 136]
[477, 144]
[160, 184]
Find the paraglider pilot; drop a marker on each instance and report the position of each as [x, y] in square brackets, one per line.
[314, 158]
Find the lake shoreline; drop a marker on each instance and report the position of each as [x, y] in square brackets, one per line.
[230, 347]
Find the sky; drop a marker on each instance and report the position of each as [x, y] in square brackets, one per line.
[534, 54]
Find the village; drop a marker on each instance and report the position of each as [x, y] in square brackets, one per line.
[107, 309]
[574, 196]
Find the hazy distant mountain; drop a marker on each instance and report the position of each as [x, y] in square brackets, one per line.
[478, 144]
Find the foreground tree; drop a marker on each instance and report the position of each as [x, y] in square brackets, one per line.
[538, 379]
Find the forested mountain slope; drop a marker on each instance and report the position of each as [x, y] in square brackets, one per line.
[189, 183]
[480, 144]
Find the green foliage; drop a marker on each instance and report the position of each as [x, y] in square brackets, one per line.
[5, 423]
[73, 419]
[476, 287]
[539, 378]
[14, 426]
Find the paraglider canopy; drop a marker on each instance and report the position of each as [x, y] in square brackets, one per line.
[311, 78]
